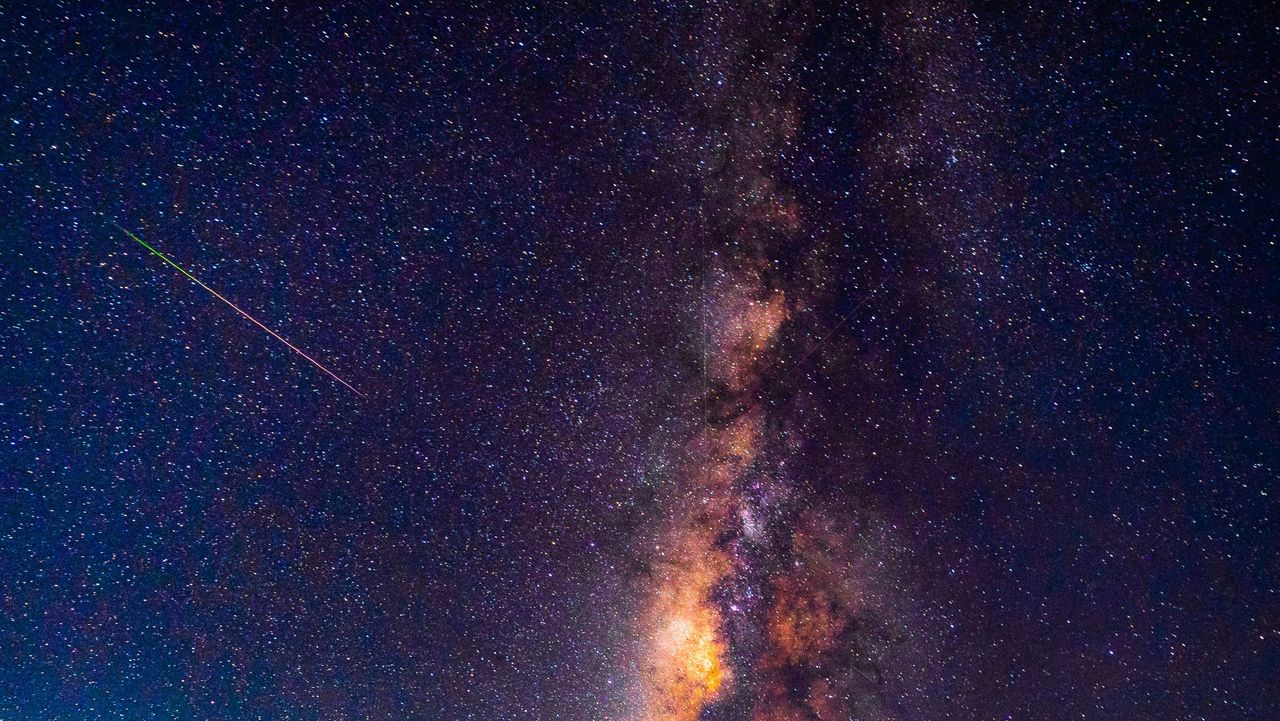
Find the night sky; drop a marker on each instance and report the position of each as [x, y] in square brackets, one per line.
[708, 361]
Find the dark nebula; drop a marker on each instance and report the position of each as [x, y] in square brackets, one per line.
[756, 361]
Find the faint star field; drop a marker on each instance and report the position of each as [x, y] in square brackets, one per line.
[757, 361]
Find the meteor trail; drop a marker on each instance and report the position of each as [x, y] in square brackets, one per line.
[236, 308]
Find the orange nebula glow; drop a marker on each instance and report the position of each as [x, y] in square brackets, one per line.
[744, 319]
[685, 659]
[686, 665]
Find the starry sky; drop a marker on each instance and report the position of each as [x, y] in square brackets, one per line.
[763, 361]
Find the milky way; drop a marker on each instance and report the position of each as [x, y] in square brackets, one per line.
[757, 602]
[904, 360]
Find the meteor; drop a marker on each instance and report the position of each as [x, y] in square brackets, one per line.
[236, 308]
